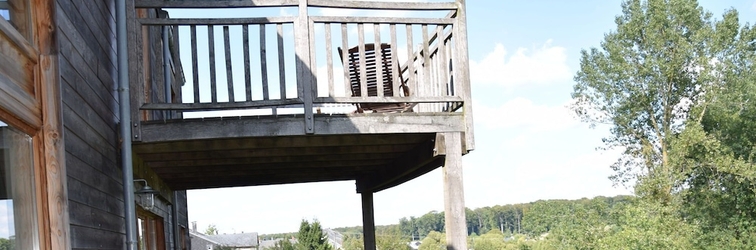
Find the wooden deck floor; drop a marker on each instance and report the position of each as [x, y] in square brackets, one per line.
[249, 151]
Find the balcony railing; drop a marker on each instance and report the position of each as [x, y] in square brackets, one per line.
[282, 62]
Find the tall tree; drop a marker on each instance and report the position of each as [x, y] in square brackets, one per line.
[311, 237]
[641, 83]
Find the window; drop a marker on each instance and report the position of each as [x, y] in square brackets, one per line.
[17, 13]
[18, 211]
[151, 235]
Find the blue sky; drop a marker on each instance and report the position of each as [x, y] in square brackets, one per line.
[529, 146]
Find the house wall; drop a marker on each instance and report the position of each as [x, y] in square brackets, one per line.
[88, 82]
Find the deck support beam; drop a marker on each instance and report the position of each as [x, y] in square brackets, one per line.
[368, 221]
[454, 194]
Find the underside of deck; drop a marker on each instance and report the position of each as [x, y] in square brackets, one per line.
[379, 151]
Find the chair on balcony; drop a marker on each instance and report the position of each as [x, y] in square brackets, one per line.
[388, 68]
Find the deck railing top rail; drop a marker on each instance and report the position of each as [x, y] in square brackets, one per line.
[377, 5]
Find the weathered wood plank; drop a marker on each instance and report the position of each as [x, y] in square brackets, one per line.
[275, 152]
[425, 89]
[462, 72]
[329, 59]
[229, 73]
[247, 75]
[53, 149]
[390, 99]
[195, 67]
[368, 221]
[264, 63]
[211, 58]
[345, 59]
[259, 162]
[214, 4]
[269, 169]
[17, 101]
[16, 39]
[363, 65]
[378, 60]
[454, 193]
[216, 21]
[178, 69]
[381, 20]
[281, 61]
[395, 62]
[376, 123]
[237, 143]
[305, 68]
[219, 106]
[378, 5]
[411, 77]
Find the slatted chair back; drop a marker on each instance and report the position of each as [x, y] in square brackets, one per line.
[388, 69]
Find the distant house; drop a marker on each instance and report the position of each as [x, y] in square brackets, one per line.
[335, 238]
[268, 244]
[240, 241]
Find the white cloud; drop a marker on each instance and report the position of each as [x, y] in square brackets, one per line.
[523, 113]
[544, 65]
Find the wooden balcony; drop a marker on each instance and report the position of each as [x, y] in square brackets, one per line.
[268, 100]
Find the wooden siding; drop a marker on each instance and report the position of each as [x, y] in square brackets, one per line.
[86, 40]
[88, 84]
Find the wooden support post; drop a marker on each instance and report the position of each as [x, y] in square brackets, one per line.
[305, 69]
[368, 221]
[454, 195]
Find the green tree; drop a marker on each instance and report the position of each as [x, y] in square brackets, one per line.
[353, 243]
[492, 240]
[311, 237]
[6, 244]
[391, 238]
[282, 244]
[640, 83]
[211, 229]
[433, 241]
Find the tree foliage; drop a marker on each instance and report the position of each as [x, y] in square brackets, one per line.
[677, 89]
[311, 237]
[211, 229]
[641, 82]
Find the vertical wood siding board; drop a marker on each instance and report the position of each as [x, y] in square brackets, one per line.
[229, 73]
[362, 65]
[281, 61]
[247, 76]
[195, 70]
[345, 59]
[264, 63]
[378, 60]
[329, 59]
[211, 51]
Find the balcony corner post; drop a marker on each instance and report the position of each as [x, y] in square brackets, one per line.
[462, 72]
[305, 75]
